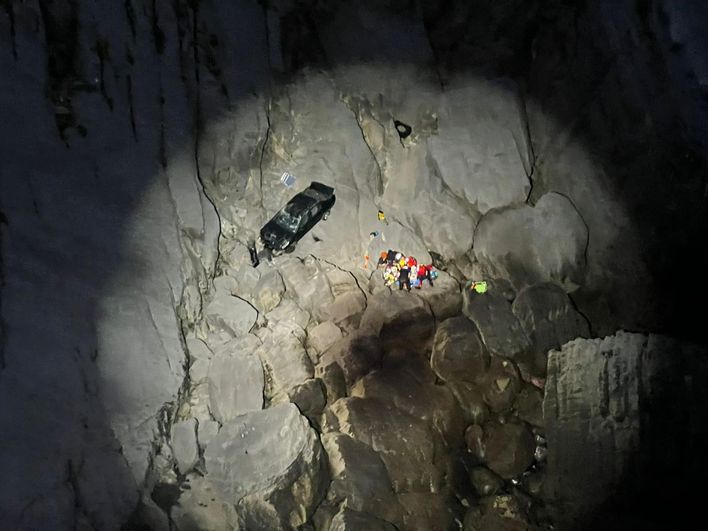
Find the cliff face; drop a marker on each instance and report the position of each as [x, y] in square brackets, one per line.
[624, 418]
[144, 141]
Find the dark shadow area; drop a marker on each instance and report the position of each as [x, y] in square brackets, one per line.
[540, 44]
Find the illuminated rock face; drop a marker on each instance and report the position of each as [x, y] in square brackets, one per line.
[137, 162]
[623, 420]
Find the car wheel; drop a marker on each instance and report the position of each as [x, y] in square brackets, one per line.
[325, 216]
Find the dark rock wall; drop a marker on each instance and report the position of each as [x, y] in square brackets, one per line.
[625, 422]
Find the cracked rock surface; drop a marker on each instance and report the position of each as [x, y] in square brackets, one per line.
[151, 377]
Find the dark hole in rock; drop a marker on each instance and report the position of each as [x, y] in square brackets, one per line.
[165, 496]
[403, 130]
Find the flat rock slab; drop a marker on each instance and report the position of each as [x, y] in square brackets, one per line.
[482, 149]
[529, 245]
[626, 415]
[184, 444]
[307, 282]
[549, 319]
[413, 390]
[226, 312]
[264, 458]
[321, 337]
[235, 385]
[500, 330]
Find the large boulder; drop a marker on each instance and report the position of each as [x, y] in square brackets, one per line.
[268, 291]
[484, 481]
[310, 398]
[508, 448]
[412, 389]
[359, 477]
[528, 245]
[471, 400]
[414, 466]
[330, 372]
[500, 384]
[321, 337]
[306, 281]
[458, 353]
[345, 309]
[549, 319]
[289, 312]
[269, 463]
[498, 327]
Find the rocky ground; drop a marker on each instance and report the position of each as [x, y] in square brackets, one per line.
[413, 409]
[150, 377]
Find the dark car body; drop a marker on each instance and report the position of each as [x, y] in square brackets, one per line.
[297, 217]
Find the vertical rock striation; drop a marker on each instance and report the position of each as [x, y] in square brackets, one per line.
[625, 424]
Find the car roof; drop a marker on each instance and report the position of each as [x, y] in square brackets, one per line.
[298, 204]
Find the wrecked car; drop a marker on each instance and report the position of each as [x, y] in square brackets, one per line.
[297, 217]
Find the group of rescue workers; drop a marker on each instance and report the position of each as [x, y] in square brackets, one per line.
[405, 271]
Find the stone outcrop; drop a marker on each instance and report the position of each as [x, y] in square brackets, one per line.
[500, 330]
[458, 353]
[622, 418]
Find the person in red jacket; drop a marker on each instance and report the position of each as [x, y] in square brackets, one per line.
[424, 272]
